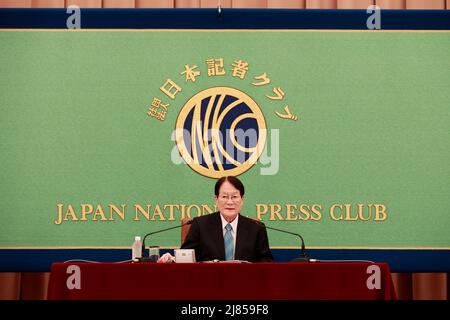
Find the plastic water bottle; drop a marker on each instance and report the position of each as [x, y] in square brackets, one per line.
[136, 249]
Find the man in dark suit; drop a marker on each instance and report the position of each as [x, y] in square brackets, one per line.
[227, 235]
[205, 236]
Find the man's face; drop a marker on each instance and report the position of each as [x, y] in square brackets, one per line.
[229, 201]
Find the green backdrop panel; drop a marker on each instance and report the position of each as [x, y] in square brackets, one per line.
[372, 128]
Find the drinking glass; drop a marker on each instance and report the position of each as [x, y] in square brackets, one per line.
[153, 253]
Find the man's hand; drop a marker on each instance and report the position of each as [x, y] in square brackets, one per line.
[166, 258]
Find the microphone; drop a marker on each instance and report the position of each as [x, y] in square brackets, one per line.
[303, 257]
[143, 259]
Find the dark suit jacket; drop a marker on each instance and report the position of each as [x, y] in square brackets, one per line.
[206, 237]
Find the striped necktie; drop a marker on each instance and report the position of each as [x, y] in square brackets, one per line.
[229, 245]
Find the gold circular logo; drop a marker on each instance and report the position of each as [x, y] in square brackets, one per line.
[220, 131]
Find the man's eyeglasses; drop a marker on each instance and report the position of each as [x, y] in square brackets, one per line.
[225, 197]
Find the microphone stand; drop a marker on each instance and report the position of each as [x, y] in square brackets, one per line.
[147, 259]
[303, 257]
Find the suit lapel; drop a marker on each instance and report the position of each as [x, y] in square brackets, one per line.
[240, 238]
[218, 236]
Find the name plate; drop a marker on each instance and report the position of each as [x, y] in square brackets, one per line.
[184, 255]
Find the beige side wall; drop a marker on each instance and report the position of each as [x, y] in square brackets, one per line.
[425, 4]
[391, 4]
[354, 4]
